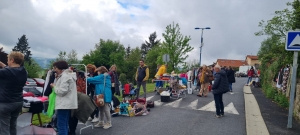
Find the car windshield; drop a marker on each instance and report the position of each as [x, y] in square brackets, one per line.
[40, 89]
[39, 80]
[30, 80]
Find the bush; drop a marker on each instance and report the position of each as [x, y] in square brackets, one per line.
[122, 78]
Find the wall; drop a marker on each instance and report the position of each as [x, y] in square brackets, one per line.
[252, 62]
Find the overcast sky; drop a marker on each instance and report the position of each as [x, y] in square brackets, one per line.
[61, 25]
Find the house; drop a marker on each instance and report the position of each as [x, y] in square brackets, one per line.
[252, 60]
[232, 63]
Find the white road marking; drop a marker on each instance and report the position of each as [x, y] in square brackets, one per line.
[231, 109]
[158, 103]
[174, 103]
[211, 107]
[192, 105]
[149, 98]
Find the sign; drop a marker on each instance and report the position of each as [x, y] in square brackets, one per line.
[166, 57]
[292, 41]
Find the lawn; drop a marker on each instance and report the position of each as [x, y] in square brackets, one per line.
[45, 119]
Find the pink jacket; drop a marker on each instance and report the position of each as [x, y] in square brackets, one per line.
[183, 75]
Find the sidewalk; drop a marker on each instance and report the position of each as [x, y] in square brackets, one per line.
[274, 116]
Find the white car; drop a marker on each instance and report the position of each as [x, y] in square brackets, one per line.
[30, 82]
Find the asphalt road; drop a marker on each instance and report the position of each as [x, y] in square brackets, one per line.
[184, 116]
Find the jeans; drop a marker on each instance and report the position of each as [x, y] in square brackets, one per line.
[219, 104]
[139, 87]
[249, 80]
[9, 113]
[96, 112]
[73, 121]
[230, 86]
[159, 84]
[63, 116]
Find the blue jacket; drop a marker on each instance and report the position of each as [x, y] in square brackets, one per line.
[99, 89]
[221, 84]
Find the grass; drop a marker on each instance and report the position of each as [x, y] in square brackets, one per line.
[45, 119]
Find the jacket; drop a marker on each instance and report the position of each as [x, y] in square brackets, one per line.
[86, 107]
[66, 90]
[208, 74]
[162, 69]
[220, 85]
[12, 81]
[230, 76]
[250, 73]
[100, 89]
[142, 74]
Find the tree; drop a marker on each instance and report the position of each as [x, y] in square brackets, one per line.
[151, 60]
[32, 69]
[131, 64]
[106, 53]
[128, 51]
[146, 47]
[23, 47]
[72, 57]
[176, 45]
[3, 56]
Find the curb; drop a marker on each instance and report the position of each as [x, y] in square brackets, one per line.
[255, 124]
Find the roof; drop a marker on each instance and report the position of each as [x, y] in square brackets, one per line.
[232, 63]
[252, 57]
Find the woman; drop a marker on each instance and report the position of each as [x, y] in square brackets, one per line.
[91, 91]
[204, 81]
[114, 80]
[66, 95]
[12, 80]
[230, 77]
[103, 86]
[250, 74]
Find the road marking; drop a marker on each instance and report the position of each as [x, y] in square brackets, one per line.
[192, 105]
[149, 98]
[211, 107]
[174, 103]
[158, 103]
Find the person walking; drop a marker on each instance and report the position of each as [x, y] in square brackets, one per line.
[12, 80]
[103, 86]
[204, 81]
[66, 95]
[141, 77]
[250, 74]
[230, 77]
[219, 87]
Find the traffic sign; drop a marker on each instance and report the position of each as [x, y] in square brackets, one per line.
[166, 57]
[292, 41]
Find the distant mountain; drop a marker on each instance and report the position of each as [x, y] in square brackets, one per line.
[43, 62]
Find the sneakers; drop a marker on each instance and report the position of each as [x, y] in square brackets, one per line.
[222, 115]
[100, 124]
[107, 125]
[218, 116]
[95, 120]
[90, 119]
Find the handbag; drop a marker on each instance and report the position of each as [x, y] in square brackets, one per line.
[99, 100]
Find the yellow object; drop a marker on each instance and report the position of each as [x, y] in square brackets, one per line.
[130, 111]
[162, 70]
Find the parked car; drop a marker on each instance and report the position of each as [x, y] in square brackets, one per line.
[30, 82]
[37, 91]
[40, 82]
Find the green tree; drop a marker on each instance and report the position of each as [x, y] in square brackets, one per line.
[132, 64]
[176, 45]
[32, 69]
[151, 60]
[128, 51]
[23, 47]
[3, 56]
[147, 46]
[72, 57]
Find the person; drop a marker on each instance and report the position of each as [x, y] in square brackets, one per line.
[141, 77]
[114, 80]
[12, 80]
[103, 86]
[184, 77]
[250, 74]
[91, 91]
[230, 77]
[204, 81]
[65, 89]
[258, 72]
[219, 87]
[162, 69]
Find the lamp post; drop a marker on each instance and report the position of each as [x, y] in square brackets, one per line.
[197, 28]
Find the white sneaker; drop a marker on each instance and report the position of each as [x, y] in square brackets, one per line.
[107, 125]
[95, 120]
[99, 124]
[90, 119]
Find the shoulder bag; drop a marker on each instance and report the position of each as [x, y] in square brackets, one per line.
[99, 99]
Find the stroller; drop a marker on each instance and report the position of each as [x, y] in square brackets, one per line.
[129, 91]
[256, 83]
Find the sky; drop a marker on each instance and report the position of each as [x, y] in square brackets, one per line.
[62, 25]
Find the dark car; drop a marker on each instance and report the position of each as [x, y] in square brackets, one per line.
[40, 82]
[37, 91]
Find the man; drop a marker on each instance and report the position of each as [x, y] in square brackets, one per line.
[219, 87]
[12, 80]
[204, 81]
[141, 77]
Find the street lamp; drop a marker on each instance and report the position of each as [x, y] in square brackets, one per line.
[197, 28]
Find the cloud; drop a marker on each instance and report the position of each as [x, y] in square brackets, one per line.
[55, 25]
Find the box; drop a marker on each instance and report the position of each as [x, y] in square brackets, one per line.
[164, 98]
[160, 90]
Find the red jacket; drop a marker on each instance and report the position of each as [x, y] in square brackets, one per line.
[251, 73]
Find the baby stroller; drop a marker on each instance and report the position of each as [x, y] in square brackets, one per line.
[256, 83]
[129, 91]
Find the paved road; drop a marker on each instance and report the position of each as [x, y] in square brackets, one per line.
[185, 116]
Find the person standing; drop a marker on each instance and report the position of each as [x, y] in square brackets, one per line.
[141, 77]
[12, 80]
[250, 74]
[66, 95]
[230, 77]
[219, 87]
[103, 86]
[114, 80]
[91, 91]
[204, 81]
